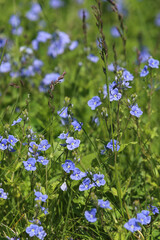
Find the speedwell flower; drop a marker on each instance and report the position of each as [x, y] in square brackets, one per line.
[94, 102]
[72, 143]
[91, 215]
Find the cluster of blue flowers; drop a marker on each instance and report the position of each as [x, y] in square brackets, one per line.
[143, 218]
[91, 215]
[15, 23]
[110, 146]
[15, 122]
[136, 111]
[70, 166]
[152, 63]
[30, 65]
[40, 196]
[96, 180]
[35, 150]
[34, 12]
[8, 143]
[71, 143]
[117, 85]
[35, 230]
[3, 194]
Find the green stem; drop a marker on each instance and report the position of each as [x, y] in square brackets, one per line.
[66, 220]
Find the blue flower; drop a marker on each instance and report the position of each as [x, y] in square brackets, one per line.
[3, 194]
[17, 31]
[63, 113]
[126, 84]
[44, 210]
[32, 230]
[14, 21]
[72, 143]
[27, 72]
[91, 215]
[154, 209]
[136, 111]
[40, 196]
[33, 147]
[30, 164]
[41, 233]
[80, 13]
[56, 3]
[111, 67]
[35, 230]
[33, 13]
[68, 166]
[36, 8]
[115, 95]
[127, 76]
[63, 135]
[104, 204]
[73, 45]
[50, 77]
[12, 140]
[96, 120]
[143, 217]
[114, 32]
[43, 36]
[94, 102]
[2, 42]
[15, 122]
[44, 145]
[36, 221]
[77, 174]
[14, 74]
[64, 187]
[77, 126]
[42, 160]
[157, 20]
[15, 238]
[144, 71]
[3, 144]
[86, 185]
[32, 16]
[111, 88]
[144, 55]
[5, 67]
[80, 1]
[11, 148]
[99, 180]
[153, 63]
[58, 44]
[132, 225]
[92, 58]
[37, 64]
[110, 145]
[35, 44]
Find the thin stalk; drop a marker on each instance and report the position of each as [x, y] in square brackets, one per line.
[66, 220]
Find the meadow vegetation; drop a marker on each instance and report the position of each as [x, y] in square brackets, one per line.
[79, 119]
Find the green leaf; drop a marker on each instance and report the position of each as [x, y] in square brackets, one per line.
[86, 161]
[125, 145]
